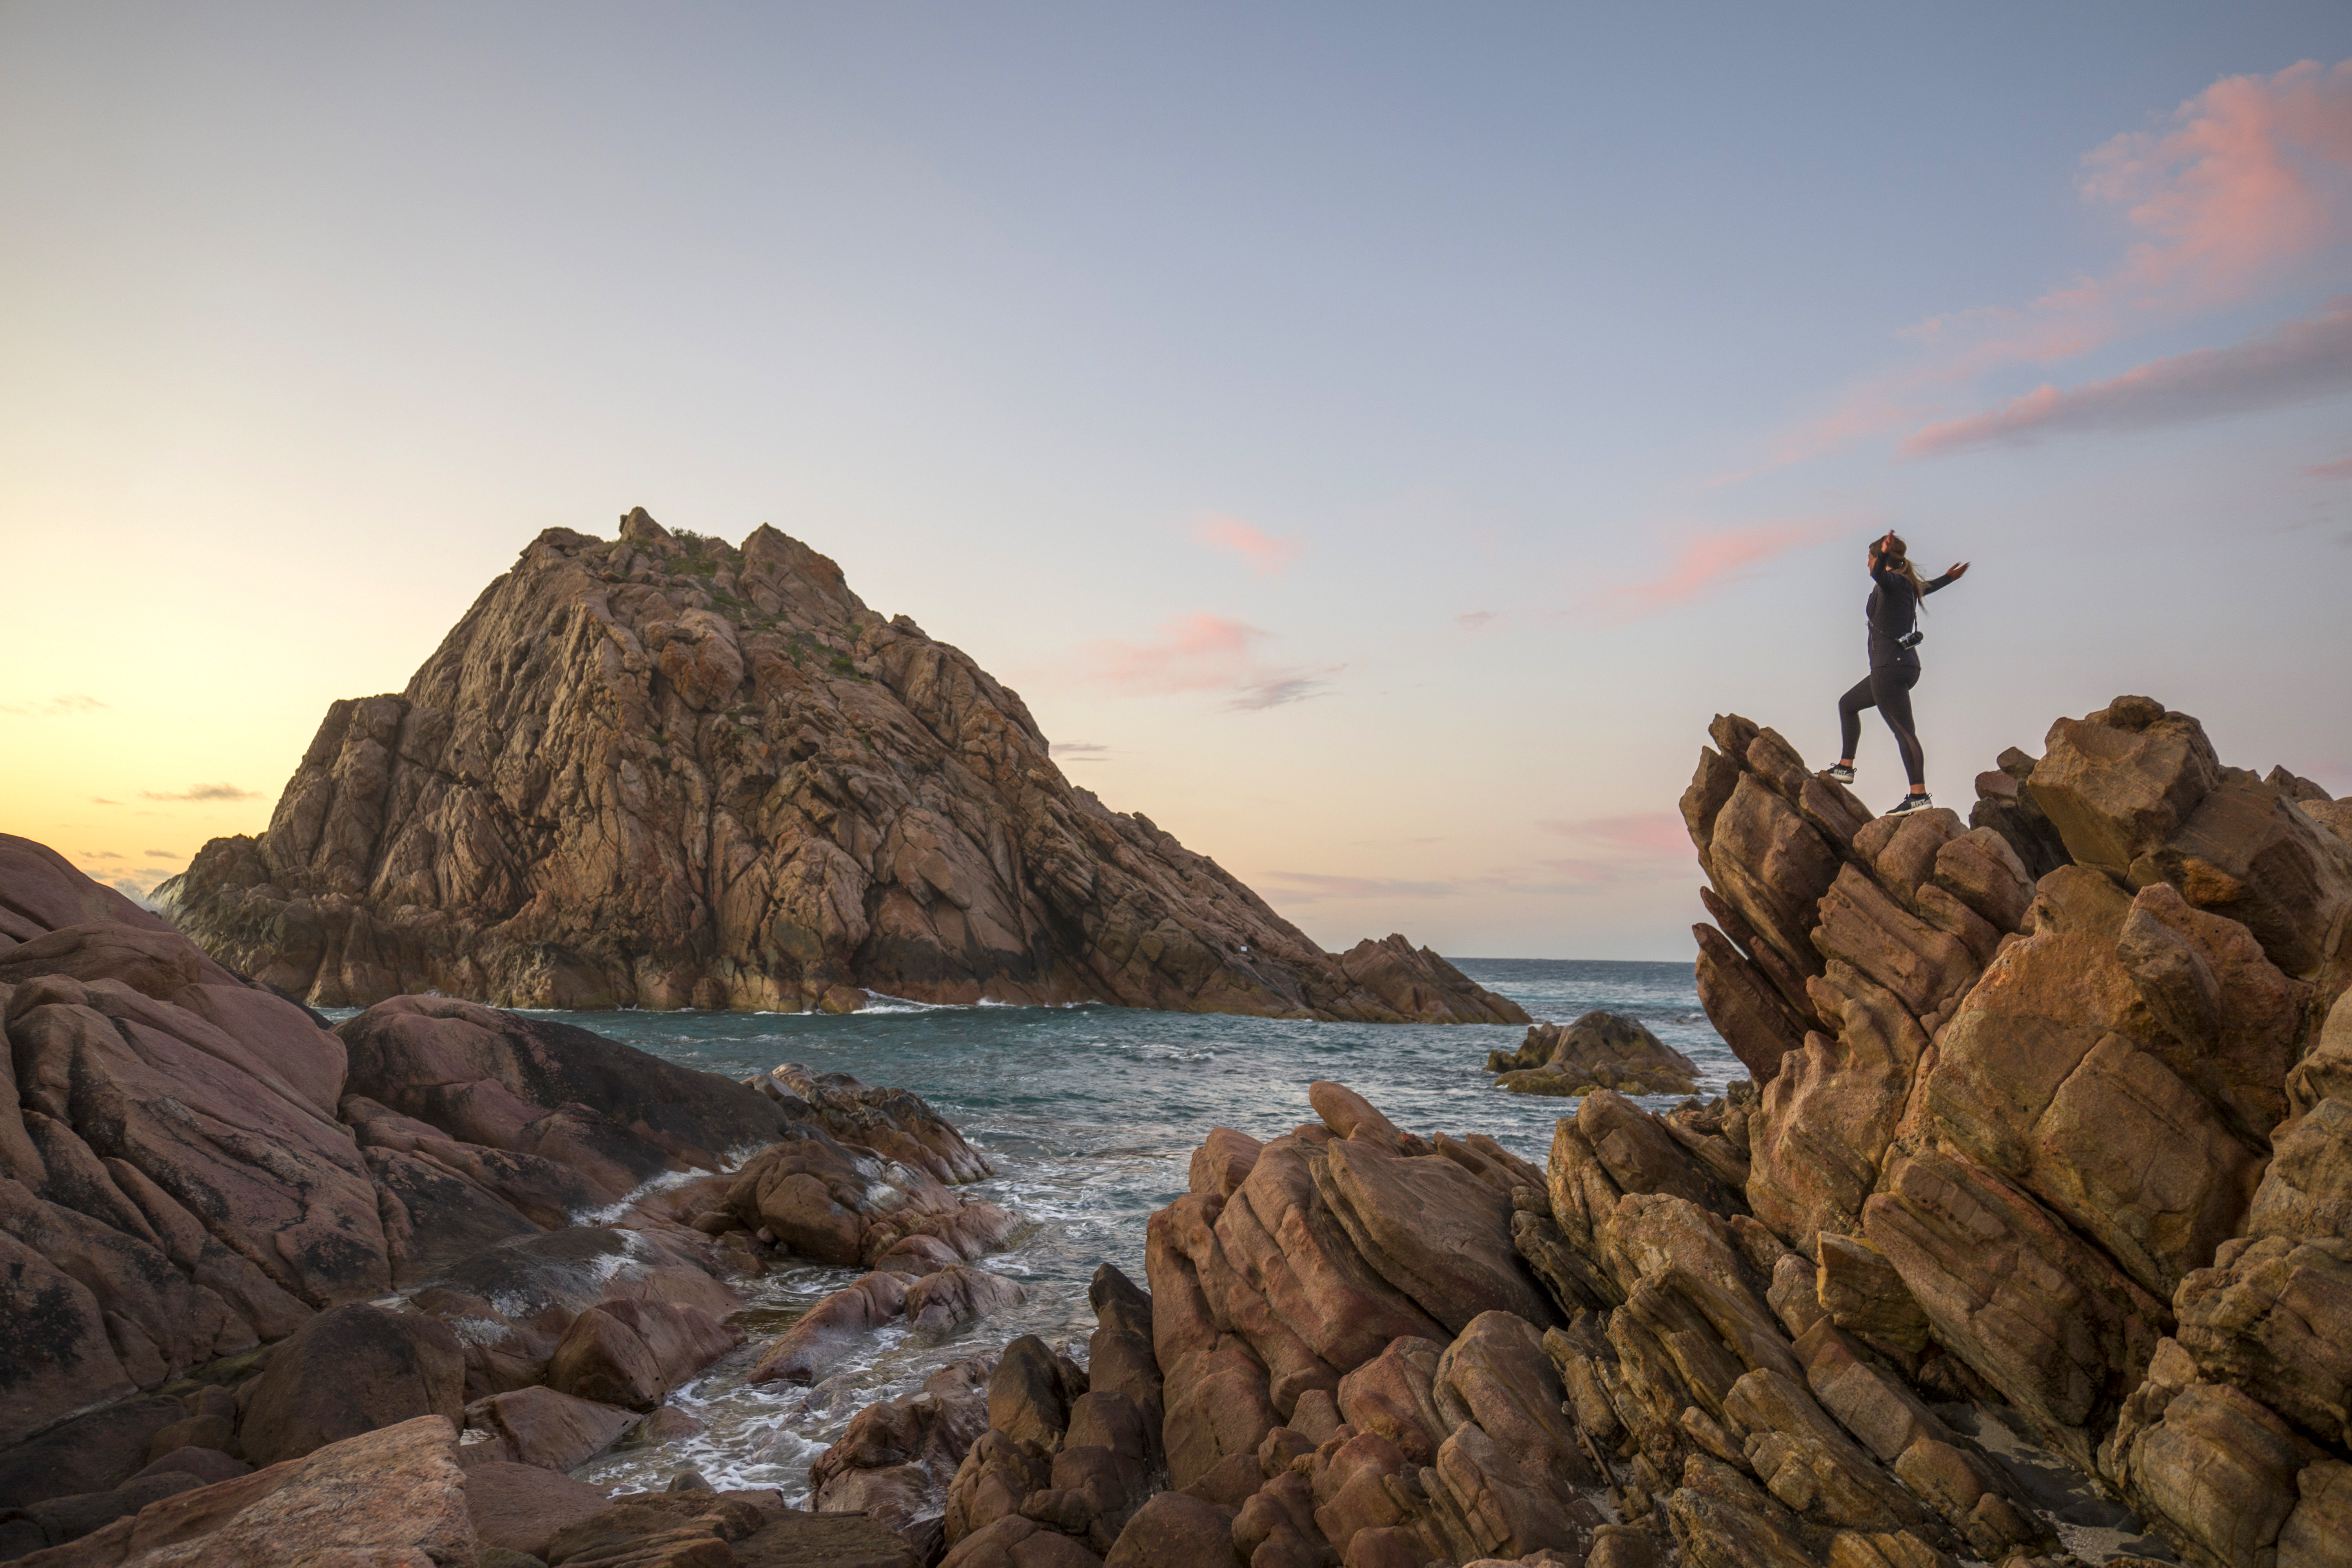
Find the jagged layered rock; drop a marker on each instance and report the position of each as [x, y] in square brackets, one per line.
[1068, 1455]
[1352, 1346]
[661, 771]
[894, 1462]
[195, 1175]
[2048, 1113]
[1599, 1050]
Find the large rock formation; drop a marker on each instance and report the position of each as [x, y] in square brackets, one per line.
[2054, 1110]
[663, 772]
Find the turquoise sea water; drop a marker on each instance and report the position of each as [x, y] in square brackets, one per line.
[1090, 1115]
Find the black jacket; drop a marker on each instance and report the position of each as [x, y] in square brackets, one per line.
[1893, 611]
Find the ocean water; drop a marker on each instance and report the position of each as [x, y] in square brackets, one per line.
[1090, 1115]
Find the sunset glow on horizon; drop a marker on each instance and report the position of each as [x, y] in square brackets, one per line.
[1373, 442]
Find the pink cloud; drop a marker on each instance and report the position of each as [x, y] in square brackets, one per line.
[1200, 653]
[2340, 469]
[1703, 565]
[1266, 555]
[2294, 362]
[1192, 653]
[1651, 846]
[2244, 186]
[2247, 179]
[1477, 620]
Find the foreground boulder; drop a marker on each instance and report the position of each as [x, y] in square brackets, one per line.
[362, 1499]
[894, 1463]
[1067, 1456]
[632, 1353]
[887, 818]
[174, 1185]
[350, 1371]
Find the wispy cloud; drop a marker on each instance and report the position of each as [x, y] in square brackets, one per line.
[1620, 853]
[1650, 847]
[1706, 563]
[1200, 653]
[101, 800]
[1274, 690]
[201, 791]
[2244, 186]
[55, 706]
[1312, 887]
[1192, 653]
[2296, 362]
[1267, 556]
[1477, 620]
[1081, 751]
[2340, 469]
[161, 854]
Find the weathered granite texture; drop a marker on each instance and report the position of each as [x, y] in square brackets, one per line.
[660, 771]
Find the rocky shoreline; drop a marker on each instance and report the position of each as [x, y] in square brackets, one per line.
[2026, 1243]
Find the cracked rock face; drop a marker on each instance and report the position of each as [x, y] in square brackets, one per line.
[660, 771]
[2054, 1106]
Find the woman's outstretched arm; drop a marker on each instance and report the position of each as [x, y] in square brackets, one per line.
[1946, 580]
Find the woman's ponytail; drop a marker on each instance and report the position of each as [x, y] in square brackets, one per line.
[1895, 558]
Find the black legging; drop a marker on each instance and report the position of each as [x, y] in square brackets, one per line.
[1887, 688]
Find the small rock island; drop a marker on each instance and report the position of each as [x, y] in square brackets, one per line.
[661, 771]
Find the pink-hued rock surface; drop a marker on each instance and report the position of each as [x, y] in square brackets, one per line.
[436, 1213]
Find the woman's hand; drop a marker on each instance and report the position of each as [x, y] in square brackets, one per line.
[1958, 572]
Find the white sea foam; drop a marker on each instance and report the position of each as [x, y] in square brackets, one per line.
[613, 1212]
[1088, 1114]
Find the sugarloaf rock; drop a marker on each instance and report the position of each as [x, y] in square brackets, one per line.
[660, 771]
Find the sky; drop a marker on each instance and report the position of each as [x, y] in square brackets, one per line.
[1374, 439]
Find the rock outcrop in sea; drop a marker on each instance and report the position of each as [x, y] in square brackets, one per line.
[1599, 1050]
[660, 771]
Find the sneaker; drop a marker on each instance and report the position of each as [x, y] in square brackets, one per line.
[1838, 774]
[1909, 802]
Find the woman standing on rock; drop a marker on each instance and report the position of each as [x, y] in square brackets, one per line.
[1895, 595]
